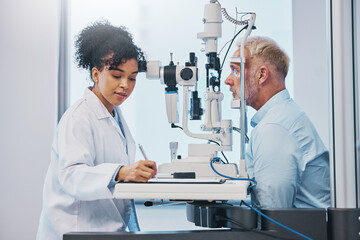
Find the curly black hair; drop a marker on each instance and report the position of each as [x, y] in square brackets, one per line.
[99, 40]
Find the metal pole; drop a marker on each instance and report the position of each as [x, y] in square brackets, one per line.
[64, 70]
[342, 152]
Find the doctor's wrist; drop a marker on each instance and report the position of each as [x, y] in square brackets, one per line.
[121, 174]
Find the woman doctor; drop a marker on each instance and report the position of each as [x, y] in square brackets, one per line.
[93, 148]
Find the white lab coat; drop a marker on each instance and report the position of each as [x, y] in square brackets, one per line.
[88, 149]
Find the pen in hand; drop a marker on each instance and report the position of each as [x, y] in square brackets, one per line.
[143, 153]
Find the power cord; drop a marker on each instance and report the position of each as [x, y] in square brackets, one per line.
[276, 222]
[222, 218]
[251, 186]
[173, 125]
[231, 178]
[232, 40]
[239, 131]
[227, 161]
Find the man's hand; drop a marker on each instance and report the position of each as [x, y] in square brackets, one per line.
[140, 171]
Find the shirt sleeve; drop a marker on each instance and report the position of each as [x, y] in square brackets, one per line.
[79, 175]
[113, 181]
[275, 153]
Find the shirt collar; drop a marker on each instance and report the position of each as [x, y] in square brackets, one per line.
[116, 115]
[274, 100]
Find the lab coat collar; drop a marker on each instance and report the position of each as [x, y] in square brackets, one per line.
[101, 112]
[273, 101]
[98, 107]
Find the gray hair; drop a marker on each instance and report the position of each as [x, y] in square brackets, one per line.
[268, 50]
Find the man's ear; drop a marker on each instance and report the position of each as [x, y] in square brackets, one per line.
[263, 74]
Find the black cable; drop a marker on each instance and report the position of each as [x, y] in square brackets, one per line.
[239, 131]
[219, 218]
[224, 46]
[176, 126]
[214, 142]
[227, 161]
[232, 40]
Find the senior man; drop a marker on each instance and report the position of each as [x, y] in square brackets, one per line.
[285, 154]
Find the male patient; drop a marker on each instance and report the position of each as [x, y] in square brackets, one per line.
[285, 154]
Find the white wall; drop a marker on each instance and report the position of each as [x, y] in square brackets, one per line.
[28, 83]
[310, 62]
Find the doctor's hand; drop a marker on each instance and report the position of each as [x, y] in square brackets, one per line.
[140, 171]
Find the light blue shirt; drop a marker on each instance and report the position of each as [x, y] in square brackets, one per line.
[287, 157]
[133, 224]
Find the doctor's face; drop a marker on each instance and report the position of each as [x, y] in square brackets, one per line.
[233, 80]
[113, 85]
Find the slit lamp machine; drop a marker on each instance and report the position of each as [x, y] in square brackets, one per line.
[201, 175]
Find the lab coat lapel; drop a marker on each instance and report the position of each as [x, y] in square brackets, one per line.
[117, 128]
[101, 111]
[103, 115]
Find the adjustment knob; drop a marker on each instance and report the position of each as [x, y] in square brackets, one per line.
[186, 74]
